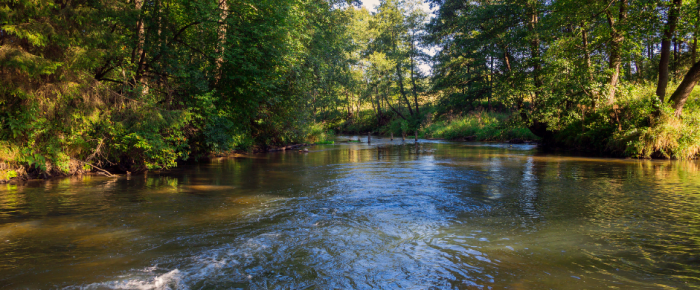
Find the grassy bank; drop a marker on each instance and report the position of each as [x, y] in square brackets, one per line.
[480, 126]
[474, 126]
[631, 128]
[320, 134]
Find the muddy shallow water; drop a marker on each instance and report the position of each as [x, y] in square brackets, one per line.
[390, 215]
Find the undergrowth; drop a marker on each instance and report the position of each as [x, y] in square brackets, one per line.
[320, 134]
[479, 126]
[631, 127]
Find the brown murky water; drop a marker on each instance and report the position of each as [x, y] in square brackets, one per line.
[436, 215]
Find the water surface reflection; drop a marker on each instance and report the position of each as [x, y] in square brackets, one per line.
[387, 215]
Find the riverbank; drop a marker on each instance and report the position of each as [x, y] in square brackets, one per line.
[140, 152]
[479, 126]
[25, 172]
[473, 126]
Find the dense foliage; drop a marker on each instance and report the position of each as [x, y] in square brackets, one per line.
[610, 76]
[141, 84]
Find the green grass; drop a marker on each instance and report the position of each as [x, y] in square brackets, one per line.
[667, 136]
[481, 126]
[319, 134]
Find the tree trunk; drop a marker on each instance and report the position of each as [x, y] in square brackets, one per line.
[615, 49]
[371, 101]
[588, 66]
[413, 76]
[223, 5]
[469, 83]
[313, 104]
[490, 85]
[695, 34]
[401, 89]
[587, 57]
[347, 104]
[680, 96]
[140, 36]
[394, 109]
[537, 128]
[666, 49]
[535, 51]
[695, 48]
[629, 67]
[506, 58]
[674, 63]
[140, 53]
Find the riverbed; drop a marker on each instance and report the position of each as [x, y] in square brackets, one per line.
[385, 215]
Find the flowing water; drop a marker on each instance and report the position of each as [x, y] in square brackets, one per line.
[432, 215]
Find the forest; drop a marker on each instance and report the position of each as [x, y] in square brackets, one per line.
[134, 85]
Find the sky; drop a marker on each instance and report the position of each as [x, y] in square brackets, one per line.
[371, 4]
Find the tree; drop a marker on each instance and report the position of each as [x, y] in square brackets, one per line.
[668, 33]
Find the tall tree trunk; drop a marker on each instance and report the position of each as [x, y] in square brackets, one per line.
[538, 128]
[490, 85]
[695, 34]
[674, 63]
[313, 103]
[615, 49]
[506, 58]
[666, 49]
[507, 61]
[415, 89]
[347, 104]
[695, 47]
[638, 64]
[401, 88]
[629, 68]
[588, 66]
[586, 52]
[371, 101]
[469, 83]
[413, 75]
[680, 96]
[140, 32]
[220, 49]
[140, 53]
[535, 51]
[399, 74]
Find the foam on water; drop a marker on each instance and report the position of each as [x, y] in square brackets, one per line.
[169, 281]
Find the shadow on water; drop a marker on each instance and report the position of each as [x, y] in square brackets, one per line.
[383, 215]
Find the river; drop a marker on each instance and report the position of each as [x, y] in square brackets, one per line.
[389, 215]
